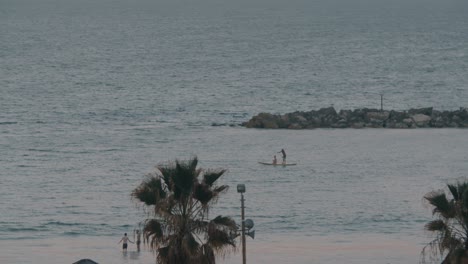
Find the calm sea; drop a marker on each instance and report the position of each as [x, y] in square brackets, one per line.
[95, 93]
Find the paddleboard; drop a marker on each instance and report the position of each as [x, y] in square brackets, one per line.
[277, 164]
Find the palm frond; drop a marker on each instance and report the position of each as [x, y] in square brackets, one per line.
[462, 188]
[185, 177]
[221, 189]
[441, 205]
[219, 239]
[216, 192]
[454, 191]
[149, 191]
[193, 163]
[436, 225]
[202, 193]
[464, 200]
[153, 233]
[211, 176]
[199, 226]
[167, 171]
[153, 227]
[225, 221]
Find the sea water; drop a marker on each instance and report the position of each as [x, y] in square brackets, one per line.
[94, 94]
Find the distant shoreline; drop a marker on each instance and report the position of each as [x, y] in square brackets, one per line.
[362, 118]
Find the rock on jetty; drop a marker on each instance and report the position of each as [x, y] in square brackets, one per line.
[362, 118]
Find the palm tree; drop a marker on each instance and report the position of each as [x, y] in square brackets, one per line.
[179, 196]
[450, 225]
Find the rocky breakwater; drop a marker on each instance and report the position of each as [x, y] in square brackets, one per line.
[362, 118]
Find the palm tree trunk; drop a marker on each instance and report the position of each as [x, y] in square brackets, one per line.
[446, 260]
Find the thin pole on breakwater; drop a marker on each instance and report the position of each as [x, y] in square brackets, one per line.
[381, 102]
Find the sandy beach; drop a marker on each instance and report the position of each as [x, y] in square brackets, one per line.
[264, 249]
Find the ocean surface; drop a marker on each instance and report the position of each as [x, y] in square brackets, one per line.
[94, 94]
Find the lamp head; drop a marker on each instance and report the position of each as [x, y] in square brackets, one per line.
[241, 188]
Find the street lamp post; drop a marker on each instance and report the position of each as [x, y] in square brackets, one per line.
[241, 190]
[246, 225]
[244, 261]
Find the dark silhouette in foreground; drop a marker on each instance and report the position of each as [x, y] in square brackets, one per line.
[450, 226]
[178, 195]
[85, 261]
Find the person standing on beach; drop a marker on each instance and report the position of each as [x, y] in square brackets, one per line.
[284, 155]
[138, 239]
[125, 241]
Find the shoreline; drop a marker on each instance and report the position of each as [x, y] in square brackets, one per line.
[273, 249]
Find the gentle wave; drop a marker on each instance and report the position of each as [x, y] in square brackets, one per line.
[23, 229]
[43, 150]
[59, 223]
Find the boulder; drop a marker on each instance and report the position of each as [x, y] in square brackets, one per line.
[381, 116]
[358, 125]
[263, 120]
[329, 111]
[421, 120]
[342, 123]
[397, 116]
[295, 126]
[346, 114]
[296, 117]
[408, 121]
[422, 111]
[437, 122]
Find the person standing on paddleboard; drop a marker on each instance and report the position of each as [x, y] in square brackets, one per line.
[284, 155]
